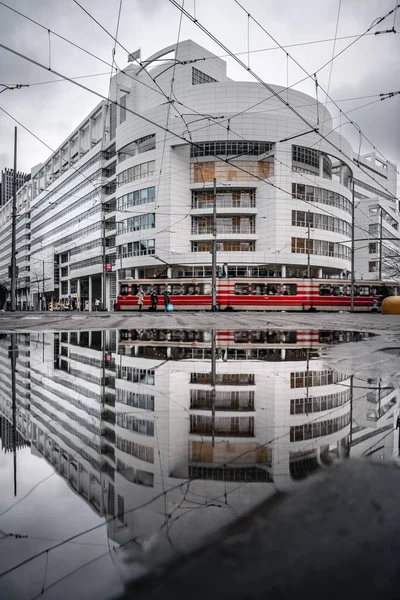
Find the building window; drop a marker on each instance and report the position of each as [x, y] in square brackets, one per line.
[113, 120]
[147, 221]
[225, 246]
[320, 247]
[200, 77]
[138, 172]
[64, 272]
[74, 286]
[372, 266]
[122, 109]
[143, 196]
[237, 171]
[64, 288]
[230, 148]
[320, 195]
[140, 248]
[373, 248]
[306, 156]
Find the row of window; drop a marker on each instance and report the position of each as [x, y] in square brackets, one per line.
[145, 453]
[301, 218]
[143, 196]
[136, 375]
[238, 171]
[262, 289]
[88, 262]
[300, 406]
[315, 378]
[225, 225]
[143, 401]
[223, 378]
[133, 173]
[77, 172]
[320, 247]
[80, 233]
[89, 215]
[225, 246]
[140, 248]
[146, 221]
[141, 426]
[375, 191]
[311, 193]
[309, 431]
[230, 148]
[228, 199]
[306, 156]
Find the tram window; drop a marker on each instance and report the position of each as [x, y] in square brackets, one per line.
[123, 335]
[273, 337]
[363, 290]
[257, 337]
[189, 289]
[338, 290]
[258, 289]
[241, 289]
[176, 289]
[124, 289]
[241, 337]
[289, 337]
[134, 289]
[204, 289]
[289, 289]
[324, 289]
[273, 289]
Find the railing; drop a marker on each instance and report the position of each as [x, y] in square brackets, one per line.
[208, 229]
[225, 203]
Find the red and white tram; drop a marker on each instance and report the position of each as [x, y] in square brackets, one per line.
[270, 294]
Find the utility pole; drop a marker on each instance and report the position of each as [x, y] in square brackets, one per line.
[103, 233]
[380, 243]
[13, 355]
[14, 231]
[352, 281]
[213, 381]
[214, 252]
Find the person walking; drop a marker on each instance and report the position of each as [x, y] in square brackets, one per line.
[97, 304]
[140, 298]
[167, 300]
[153, 300]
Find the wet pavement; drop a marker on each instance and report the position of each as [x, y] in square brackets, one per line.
[123, 449]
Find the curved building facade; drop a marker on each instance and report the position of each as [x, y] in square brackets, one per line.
[282, 198]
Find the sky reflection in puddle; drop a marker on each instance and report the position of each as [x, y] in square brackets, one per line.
[148, 440]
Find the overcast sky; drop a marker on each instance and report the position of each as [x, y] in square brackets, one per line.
[52, 110]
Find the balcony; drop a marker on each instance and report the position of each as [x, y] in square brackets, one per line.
[207, 229]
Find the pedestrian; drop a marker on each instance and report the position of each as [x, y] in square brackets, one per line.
[140, 298]
[153, 300]
[167, 300]
[97, 304]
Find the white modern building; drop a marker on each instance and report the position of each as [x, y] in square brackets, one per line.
[23, 247]
[130, 192]
[377, 219]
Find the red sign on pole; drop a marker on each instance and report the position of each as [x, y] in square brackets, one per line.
[108, 267]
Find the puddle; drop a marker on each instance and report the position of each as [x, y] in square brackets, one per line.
[134, 445]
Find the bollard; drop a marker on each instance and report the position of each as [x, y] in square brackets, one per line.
[391, 305]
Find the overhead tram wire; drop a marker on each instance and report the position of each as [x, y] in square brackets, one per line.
[127, 74]
[94, 220]
[195, 60]
[176, 135]
[373, 24]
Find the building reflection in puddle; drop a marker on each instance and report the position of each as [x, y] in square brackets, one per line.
[170, 434]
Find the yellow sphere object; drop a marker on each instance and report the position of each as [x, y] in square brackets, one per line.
[391, 305]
